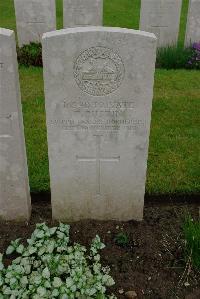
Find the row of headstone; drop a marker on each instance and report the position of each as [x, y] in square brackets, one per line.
[98, 94]
[35, 17]
[193, 23]
[161, 17]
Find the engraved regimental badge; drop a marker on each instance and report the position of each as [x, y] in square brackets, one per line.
[98, 71]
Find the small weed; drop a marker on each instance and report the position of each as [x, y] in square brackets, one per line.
[30, 55]
[122, 239]
[191, 230]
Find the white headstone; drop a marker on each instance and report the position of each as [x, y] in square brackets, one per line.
[162, 17]
[34, 17]
[193, 23]
[14, 187]
[82, 13]
[99, 88]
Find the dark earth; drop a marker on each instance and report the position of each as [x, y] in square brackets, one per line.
[150, 260]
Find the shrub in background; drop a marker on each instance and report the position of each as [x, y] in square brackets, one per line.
[50, 266]
[30, 55]
[194, 61]
[191, 229]
[167, 58]
[173, 57]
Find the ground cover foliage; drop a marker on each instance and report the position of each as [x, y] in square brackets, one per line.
[51, 266]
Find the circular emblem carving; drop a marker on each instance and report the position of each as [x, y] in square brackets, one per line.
[98, 71]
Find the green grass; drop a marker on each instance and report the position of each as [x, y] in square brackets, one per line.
[191, 229]
[183, 21]
[35, 127]
[122, 13]
[174, 140]
[7, 14]
[117, 13]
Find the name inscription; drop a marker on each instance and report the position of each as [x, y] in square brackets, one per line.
[98, 116]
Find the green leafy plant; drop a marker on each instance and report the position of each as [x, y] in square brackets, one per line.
[194, 61]
[30, 55]
[122, 239]
[191, 229]
[51, 267]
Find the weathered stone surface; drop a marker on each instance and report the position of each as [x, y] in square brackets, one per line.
[14, 187]
[162, 17]
[33, 18]
[99, 88]
[82, 13]
[193, 23]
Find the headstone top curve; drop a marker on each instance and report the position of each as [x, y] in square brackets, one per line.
[98, 29]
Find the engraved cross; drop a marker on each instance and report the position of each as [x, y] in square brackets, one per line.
[98, 160]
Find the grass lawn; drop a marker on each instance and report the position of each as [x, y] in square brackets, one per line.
[173, 152]
[174, 141]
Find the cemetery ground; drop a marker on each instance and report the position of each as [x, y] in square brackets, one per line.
[146, 257]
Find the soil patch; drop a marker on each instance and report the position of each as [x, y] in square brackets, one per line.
[150, 261]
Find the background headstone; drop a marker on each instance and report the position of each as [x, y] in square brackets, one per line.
[162, 17]
[99, 88]
[14, 187]
[193, 23]
[82, 13]
[33, 18]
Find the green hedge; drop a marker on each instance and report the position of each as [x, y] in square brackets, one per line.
[167, 58]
